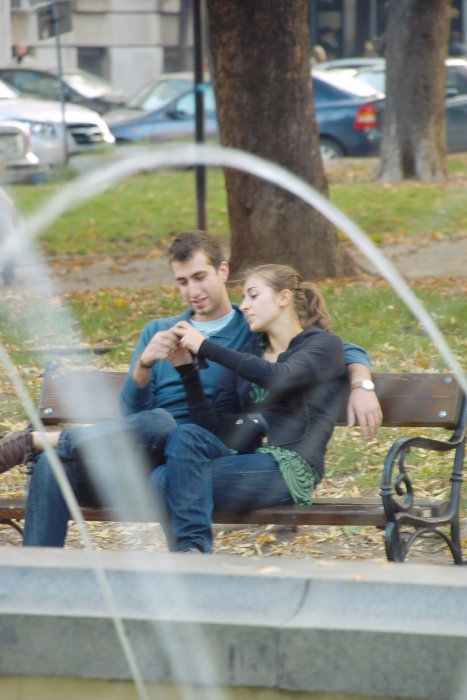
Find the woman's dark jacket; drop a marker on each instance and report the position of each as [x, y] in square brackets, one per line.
[305, 390]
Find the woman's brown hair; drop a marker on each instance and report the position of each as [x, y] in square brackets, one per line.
[309, 303]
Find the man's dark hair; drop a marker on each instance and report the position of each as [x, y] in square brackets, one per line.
[186, 244]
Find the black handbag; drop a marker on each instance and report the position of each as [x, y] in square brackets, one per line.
[246, 433]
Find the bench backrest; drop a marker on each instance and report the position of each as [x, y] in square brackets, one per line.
[407, 399]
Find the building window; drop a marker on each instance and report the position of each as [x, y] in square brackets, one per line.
[94, 60]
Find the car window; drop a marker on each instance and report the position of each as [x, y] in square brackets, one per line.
[330, 85]
[376, 78]
[186, 103]
[154, 96]
[324, 92]
[355, 63]
[37, 84]
[209, 99]
[87, 84]
[7, 92]
[456, 79]
[41, 86]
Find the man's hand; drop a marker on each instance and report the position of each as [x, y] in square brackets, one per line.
[160, 347]
[363, 408]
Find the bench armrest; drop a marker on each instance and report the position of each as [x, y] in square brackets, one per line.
[397, 489]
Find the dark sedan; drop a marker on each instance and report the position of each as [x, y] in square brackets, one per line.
[348, 113]
[456, 98]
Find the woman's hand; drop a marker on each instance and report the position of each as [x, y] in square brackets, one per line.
[190, 338]
[181, 356]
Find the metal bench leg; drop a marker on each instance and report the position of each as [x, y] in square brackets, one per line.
[395, 547]
[14, 525]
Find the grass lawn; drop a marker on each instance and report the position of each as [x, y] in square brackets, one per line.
[139, 213]
[394, 212]
[144, 211]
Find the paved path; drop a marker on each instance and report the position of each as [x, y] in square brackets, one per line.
[439, 258]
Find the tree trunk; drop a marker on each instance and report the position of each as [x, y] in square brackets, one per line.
[414, 130]
[261, 58]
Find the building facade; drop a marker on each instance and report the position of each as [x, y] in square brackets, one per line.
[128, 42]
[343, 27]
[131, 42]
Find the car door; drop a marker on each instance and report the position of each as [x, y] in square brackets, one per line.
[456, 123]
[178, 119]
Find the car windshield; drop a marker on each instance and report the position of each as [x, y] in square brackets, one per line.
[6, 92]
[158, 94]
[376, 78]
[87, 84]
[456, 77]
[346, 83]
[350, 63]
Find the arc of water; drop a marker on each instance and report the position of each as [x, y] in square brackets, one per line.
[75, 511]
[218, 156]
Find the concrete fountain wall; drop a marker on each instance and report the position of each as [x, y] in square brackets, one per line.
[274, 626]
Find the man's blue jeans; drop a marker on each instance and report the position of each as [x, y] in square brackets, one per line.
[108, 463]
[201, 475]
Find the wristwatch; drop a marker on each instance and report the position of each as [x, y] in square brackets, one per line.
[366, 384]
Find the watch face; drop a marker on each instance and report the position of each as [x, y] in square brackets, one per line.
[368, 385]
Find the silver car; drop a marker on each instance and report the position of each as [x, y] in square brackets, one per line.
[17, 161]
[79, 86]
[85, 129]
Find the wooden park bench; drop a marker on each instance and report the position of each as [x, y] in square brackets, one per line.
[407, 400]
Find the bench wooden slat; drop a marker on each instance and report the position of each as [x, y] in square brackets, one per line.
[407, 399]
[419, 399]
[80, 396]
[324, 511]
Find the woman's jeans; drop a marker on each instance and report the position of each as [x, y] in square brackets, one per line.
[201, 475]
[106, 464]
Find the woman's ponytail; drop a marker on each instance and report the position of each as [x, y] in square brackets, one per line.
[309, 303]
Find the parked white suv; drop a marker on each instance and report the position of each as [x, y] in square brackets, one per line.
[85, 129]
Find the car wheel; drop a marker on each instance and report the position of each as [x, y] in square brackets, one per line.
[330, 149]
